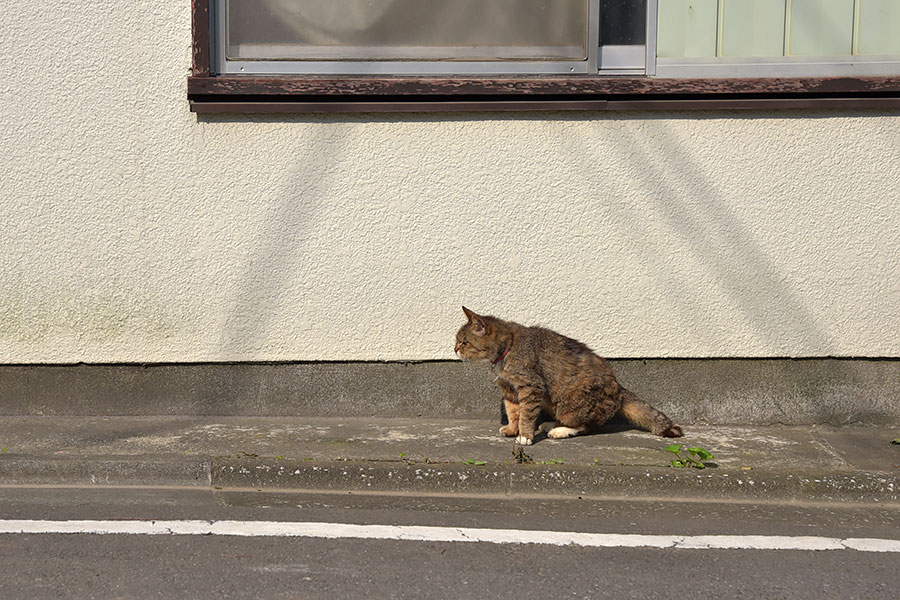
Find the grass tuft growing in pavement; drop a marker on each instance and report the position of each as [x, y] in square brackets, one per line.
[693, 459]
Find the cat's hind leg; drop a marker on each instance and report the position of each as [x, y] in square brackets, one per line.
[584, 410]
[564, 426]
[561, 431]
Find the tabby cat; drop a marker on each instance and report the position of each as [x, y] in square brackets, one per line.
[538, 369]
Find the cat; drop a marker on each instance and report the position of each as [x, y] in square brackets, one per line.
[538, 369]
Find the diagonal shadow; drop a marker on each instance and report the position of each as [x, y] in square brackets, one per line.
[279, 244]
[686, 199]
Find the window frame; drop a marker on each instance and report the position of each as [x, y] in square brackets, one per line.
[209, 92]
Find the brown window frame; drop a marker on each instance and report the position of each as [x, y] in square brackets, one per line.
[211, 93]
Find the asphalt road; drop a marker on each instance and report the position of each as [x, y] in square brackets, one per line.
[215, 566]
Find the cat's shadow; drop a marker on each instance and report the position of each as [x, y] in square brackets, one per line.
[617, 424]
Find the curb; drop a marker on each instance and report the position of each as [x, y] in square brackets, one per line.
[447, 479]
[556, 481]
[144, 470]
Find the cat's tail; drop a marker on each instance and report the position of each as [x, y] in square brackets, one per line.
[639, 413]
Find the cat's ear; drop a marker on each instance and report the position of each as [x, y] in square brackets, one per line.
[477, 323]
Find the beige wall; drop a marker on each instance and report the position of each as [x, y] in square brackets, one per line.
[131, 230]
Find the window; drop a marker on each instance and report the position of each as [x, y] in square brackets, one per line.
[290, 55]
[433, 37]
[778, 38]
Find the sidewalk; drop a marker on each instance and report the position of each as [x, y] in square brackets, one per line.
[440, 456]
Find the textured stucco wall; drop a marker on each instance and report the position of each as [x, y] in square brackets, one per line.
[131, 230]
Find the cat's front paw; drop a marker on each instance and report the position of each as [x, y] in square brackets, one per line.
[509, 430]
[523, 441]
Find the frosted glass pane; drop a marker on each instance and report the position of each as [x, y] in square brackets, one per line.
[753, 28]
[879, 27]
[687, 28]
[407, 29]
[821, 27]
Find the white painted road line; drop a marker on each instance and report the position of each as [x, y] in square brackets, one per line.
[447, 534]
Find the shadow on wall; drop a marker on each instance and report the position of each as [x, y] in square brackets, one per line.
[689, 202]
[693, 208]
[278, 242]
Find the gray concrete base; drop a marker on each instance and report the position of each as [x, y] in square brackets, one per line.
[715, 391]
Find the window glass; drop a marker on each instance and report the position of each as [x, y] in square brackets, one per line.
[879, 27]
[623, 22]
[774, 28]
[687, 28]
[821, 28]
[406, 29]
[753, 28]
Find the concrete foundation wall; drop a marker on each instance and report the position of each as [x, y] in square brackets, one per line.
[132, 231]
[744, 392]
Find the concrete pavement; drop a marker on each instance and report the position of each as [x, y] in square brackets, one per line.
[448, 456]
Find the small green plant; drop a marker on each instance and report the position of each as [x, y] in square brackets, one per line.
[692, 459]
[895, 441]
[552, 461]
[281, 457]
[4, 448]
[520, 457]
[472, 461]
